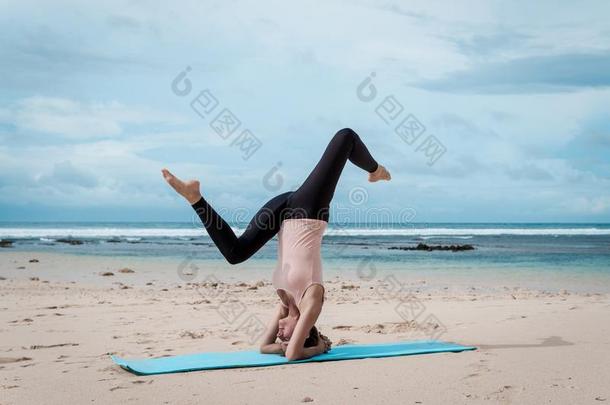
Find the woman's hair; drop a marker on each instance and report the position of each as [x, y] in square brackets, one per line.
[313, 338]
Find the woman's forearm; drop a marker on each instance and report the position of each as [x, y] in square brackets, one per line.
[272, 348]
[271, 332]
[307, 352]
[312, 351]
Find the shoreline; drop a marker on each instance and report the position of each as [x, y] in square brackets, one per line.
[86, 268]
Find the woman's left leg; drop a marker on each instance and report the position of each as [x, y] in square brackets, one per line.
[315, 194]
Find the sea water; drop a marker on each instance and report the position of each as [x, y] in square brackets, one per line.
[517, 250]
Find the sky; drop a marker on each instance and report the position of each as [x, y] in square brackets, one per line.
[487, 111]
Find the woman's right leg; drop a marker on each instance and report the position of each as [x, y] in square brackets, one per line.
[263, 226]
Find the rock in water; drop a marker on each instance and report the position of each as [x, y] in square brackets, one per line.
[70, 241]
[430, 248]
[5, 243]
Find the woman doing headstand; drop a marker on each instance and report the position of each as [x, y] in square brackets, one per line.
[299, 218]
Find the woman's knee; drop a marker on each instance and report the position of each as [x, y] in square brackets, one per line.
[345, 136]
[347, 133]
[232, 259]
[235, 256]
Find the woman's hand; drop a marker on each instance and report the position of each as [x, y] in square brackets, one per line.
[324, 343]
[268, 344]
[284, 346]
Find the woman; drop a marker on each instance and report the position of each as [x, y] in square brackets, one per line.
[299, 218]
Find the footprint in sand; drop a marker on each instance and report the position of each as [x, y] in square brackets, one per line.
[194, 335]
[343, 327]
[126, 270]
[36, 347]
[7, 360]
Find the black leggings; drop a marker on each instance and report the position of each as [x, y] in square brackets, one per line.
[311, 200]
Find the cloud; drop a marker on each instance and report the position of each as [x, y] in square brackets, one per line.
[480, 45]
[40, 56]
[588, 205]
[595, 131]
[133, 25]
[65, 173]
[529, 171]
[416, 16]
[532, 74]
[455, 123]
[68, 118]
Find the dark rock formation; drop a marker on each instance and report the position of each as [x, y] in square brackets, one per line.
[5, 243]
[70, 241]
[430, 248]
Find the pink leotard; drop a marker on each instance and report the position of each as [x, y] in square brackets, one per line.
[299, 262]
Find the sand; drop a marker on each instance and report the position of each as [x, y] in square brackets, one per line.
[61, 319]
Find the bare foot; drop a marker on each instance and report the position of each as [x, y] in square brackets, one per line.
[380, 174]
[187, 189]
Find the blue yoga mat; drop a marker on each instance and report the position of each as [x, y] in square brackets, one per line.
[219, 360]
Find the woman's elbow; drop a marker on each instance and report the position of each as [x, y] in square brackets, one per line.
[292, 355]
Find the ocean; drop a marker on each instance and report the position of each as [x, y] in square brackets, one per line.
[571, 247]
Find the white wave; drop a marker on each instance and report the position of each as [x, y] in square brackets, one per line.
[104, 233]
[445, 236]
[466, 233]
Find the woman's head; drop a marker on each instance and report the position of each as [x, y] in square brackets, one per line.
[286, 328]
